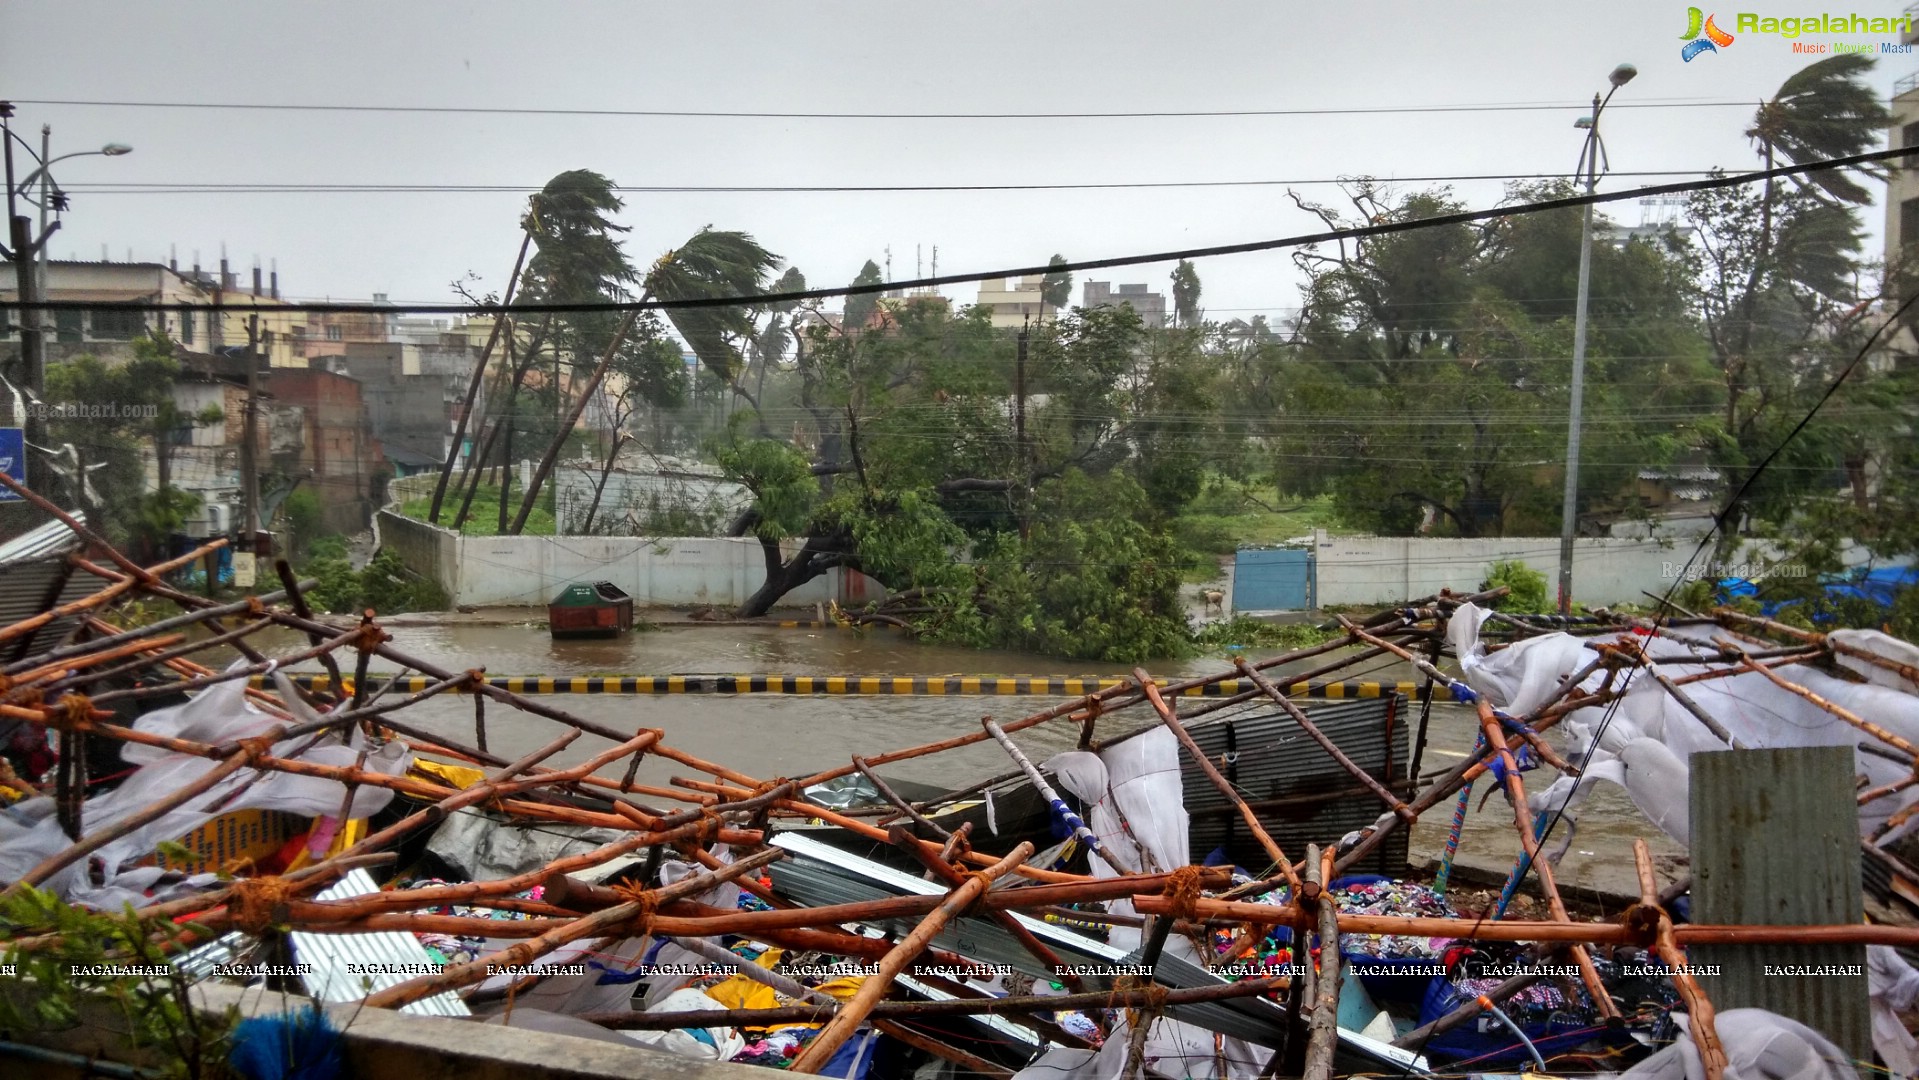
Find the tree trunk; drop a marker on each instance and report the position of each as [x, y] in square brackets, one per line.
[506, 473]
[812, 560]
[545, 468]
[473, 386]
[510, 396]
[586, 529]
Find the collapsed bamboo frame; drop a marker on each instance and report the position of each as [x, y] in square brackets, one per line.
[723, 805]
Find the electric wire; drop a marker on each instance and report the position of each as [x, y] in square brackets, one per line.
[722, 114]
[1386, 228]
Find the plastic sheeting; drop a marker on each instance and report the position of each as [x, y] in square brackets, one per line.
[1137, 806]
[1644, 745]
[1759, 1045]
[1894, 987]
[1173, 1048]
[29, 832]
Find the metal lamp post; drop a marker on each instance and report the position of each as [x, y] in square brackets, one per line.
[1569, 509]
[30, 251]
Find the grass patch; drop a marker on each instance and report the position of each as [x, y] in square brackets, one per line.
[484, 520]
[1244, 632]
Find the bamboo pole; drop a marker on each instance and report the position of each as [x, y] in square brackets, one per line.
[886, 792]
[1393, 802]
[1073, 821]
[1322, 1037]
[853, 1013]
[1212, 774]
[92, 842]
[1523, 823]
[1889, 738]
[480, 792]
[951, 875]
[1824, 641]
[1705, 1034]
[454, 976]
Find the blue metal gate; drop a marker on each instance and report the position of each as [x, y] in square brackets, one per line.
[1273, 579]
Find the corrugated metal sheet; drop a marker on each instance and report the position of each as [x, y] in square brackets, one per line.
[1775, 839]
[34, 577]
[53, 538]
[1301, 794]
[820, 874]
[348, 967]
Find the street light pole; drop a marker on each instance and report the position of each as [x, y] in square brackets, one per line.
[1569, 506]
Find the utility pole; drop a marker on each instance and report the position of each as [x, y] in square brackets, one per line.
[1019, 424]
[21, 249]
[1569, 504]
[250, 427]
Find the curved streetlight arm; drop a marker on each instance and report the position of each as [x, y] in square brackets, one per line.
[21, 188]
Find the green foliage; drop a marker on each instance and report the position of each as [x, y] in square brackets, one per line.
[50, 988]
[484, 518]
[128, 404]
[1056, 288]
[384, 584]
[1186, 293]
[1528, 587]
[713, 263]
[1092, 581]
[1246, 632]
[781, 480]
[304, 517]
[861, 306]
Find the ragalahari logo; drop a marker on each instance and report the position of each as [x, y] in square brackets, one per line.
[1696, 21]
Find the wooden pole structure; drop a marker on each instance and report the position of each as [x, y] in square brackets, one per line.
[1322, 1028]
[853, 1013]
[1705, 1035]
[1212, 774]
[1523, 823]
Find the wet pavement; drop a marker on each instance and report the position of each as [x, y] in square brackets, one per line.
[770, 735]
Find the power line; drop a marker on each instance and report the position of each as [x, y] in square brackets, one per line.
[745, 114]
[264, 188]
[1357, 232]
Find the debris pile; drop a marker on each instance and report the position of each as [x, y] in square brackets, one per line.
[835, 924]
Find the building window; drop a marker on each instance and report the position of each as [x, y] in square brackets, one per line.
[1909, 136]
[333, 334]
[186, 328]
[1909, 222]
[66, 326]
[117, 324]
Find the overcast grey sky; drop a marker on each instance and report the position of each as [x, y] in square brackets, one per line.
[1116, 56]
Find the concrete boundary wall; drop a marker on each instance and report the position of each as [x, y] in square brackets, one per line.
[1388, 569]
[527, 571]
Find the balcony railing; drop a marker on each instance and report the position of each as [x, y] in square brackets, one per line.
[1906, 85]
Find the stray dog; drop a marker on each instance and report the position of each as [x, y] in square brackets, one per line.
[1215, 601]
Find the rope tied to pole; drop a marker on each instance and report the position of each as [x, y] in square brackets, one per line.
[1183, 892]
[979, 901]
[73, 712]
[255, 904]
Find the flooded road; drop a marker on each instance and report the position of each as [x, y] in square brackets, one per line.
[769, 735]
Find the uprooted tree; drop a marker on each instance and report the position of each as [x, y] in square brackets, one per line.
[1052, 543]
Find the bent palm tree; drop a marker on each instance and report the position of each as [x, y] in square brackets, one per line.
[712, 264]
[1825, 110]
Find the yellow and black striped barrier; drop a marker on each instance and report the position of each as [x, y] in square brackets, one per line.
[882, 685]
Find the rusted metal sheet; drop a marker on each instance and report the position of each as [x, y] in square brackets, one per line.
[1775, 839]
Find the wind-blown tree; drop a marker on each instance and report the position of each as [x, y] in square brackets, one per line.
[1056, 288]
[1186, 294]
[1427, 380]
[711, 264]
[98, 459]
[578, 259]
[1777, 285]
[861, 306]
[916, 416]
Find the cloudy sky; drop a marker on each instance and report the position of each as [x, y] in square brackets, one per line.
[417, 60]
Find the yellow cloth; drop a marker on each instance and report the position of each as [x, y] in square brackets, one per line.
[454, 775]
